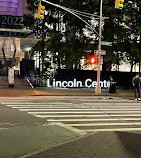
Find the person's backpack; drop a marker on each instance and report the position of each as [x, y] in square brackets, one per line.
[137, 80]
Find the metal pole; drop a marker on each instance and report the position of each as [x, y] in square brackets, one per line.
[98, 88]
[71, 12]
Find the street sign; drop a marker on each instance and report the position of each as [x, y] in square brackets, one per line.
[102, 52]
[106, 43]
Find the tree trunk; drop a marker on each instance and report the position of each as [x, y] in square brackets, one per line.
[58, 21]
[5, 59]
[131, 70]
[139, 67]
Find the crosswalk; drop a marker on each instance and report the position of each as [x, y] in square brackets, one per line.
[83, 115]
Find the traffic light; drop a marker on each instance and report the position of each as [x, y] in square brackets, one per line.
[119, 4]
[41, 10]
[93, 60]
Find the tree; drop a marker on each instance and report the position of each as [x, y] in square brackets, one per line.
[70, 43]
[123, 28]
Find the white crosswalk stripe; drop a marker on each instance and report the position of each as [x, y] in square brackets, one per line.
[85, 115]
[29, 108]
[64, 116]
[94, 120]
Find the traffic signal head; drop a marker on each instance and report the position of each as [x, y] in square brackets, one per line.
[119, 4]
[41, 10]
[93, 60]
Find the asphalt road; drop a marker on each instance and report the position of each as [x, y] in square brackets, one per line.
[88, 127]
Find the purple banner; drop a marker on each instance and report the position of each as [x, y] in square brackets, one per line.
[11, 1]
[12, 7]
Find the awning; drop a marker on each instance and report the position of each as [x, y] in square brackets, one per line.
[25, 43]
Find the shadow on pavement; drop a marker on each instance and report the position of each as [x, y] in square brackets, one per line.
[131, 142]
[98, 145]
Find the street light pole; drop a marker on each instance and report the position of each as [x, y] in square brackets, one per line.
[98, 88]
[71, 12]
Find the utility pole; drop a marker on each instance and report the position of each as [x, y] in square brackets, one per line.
[98, 88]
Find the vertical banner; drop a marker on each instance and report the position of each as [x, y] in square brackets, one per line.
[11, 76]
[17, 43]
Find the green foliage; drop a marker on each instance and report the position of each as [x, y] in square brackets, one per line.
[123, 28]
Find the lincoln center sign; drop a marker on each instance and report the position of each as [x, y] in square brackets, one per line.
[89, 83]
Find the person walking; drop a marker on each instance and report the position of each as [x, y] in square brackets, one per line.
[112, 88]
[136, 83]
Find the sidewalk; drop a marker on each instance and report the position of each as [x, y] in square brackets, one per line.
[129, 94]
[43, 91]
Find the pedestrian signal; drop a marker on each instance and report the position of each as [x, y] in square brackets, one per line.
[93, 60]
